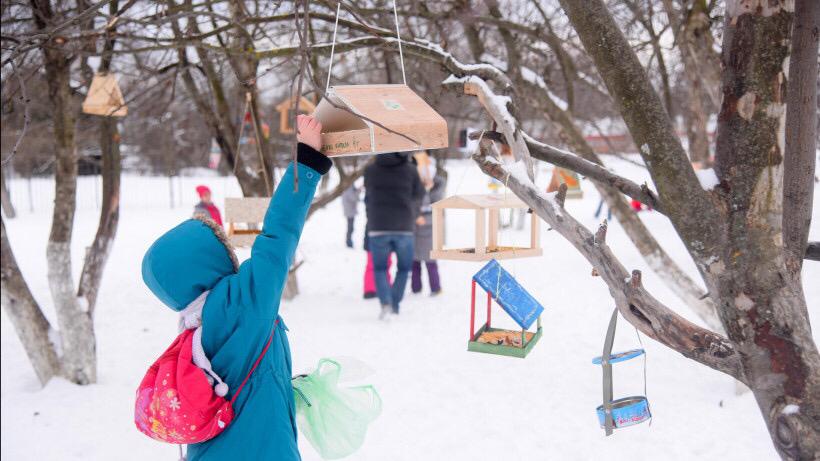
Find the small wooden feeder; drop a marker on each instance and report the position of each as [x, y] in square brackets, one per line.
[104, 97]
[570, 178]
[286, 108]
[486, 243]
[516, 302]
[348, 112]
[626, 411]
[244, 217]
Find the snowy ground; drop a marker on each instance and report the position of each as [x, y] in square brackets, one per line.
[440, 402]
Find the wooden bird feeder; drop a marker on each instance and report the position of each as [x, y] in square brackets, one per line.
[570, 178]
[104, 97]
[516, 302]
[244, 217]
[348, 113]
[285, 109]
[486, 243]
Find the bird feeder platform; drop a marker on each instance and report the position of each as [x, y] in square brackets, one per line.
[516, 302]
[486, 239]
[244, 217]
[104, 97]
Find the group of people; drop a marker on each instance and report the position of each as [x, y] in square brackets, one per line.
[399, 189]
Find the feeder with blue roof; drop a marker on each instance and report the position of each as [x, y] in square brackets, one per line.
[516, 302]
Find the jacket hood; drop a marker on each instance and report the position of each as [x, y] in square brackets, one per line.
[187, 261]
[392, 159]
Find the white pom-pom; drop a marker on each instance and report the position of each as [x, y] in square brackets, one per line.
[221, 389]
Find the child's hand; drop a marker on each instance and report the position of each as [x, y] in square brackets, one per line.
[309, 131]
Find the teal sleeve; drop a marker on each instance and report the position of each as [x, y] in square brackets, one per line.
[262, 277]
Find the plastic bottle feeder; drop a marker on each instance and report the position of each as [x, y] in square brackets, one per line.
[516, 302]
[625, 411]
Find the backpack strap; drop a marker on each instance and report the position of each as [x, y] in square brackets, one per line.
[255, 364]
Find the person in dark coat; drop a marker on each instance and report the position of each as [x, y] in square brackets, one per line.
[424, 239]
[393, 193]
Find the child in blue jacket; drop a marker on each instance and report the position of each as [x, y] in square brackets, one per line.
[241, 308]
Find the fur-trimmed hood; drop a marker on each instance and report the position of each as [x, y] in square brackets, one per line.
[187, 261]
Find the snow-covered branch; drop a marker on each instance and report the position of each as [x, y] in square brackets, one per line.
[636, 305]
[523, 146]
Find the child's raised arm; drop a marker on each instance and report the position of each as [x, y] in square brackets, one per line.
[263, 276]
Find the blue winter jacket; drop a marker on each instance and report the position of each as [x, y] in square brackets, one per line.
[239, 314]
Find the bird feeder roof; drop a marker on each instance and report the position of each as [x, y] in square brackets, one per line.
[478, 202]
[517, 302]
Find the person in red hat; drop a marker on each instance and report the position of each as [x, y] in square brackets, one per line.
[205, 206]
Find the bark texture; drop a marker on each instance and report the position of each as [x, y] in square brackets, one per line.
[76, 327]
[761, 301]
[801, 130]
[31, 325]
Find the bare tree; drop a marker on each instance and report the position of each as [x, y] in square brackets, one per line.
[69, 351]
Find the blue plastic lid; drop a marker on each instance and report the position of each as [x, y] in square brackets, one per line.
[620, 356]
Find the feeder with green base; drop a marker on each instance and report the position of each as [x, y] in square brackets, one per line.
[516, 302]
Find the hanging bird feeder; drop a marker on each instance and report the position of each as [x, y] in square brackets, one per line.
[104, 97]
[486, 242]
[570, 178]
[626, 411]
[516, 302]
[374, 119]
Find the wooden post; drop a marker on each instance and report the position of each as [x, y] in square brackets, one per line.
[535, 231]
[489, 310]
[480, 232]
[492, 245]
[438, 229]
[472, 313]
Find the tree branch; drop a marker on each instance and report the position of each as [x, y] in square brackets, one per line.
[650, 126]
[801, 126]
[813, 251]
[636, 305]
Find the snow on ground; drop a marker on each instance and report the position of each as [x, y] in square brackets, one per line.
[440, 401]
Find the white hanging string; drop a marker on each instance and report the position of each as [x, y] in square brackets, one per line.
[638, 334]
[333, 44]
[398, 37]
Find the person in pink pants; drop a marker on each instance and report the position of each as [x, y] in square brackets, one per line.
[370, 279]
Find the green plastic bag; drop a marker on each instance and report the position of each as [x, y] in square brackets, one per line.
[334, 418]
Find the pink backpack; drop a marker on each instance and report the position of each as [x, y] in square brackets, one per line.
[176, 401]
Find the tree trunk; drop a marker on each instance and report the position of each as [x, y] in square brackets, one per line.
[79, 363]
[696, 127]
[801, 132]
[97, 254]
[760, 299]
[109, 141]
[5, 198]
[652, 252]
[701, 71]
[31, 325]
